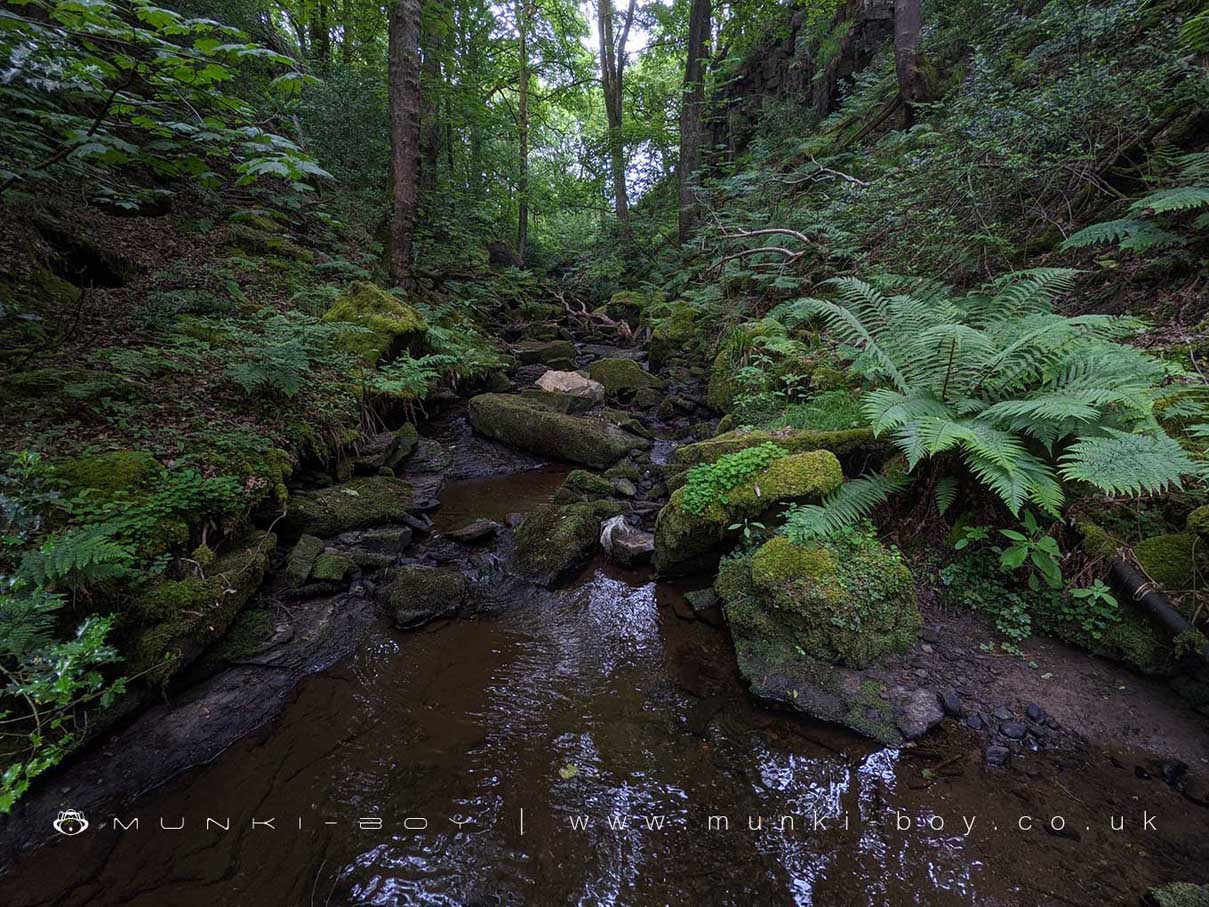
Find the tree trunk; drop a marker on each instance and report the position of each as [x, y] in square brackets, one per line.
[405, 132]
[347, 29]
[430, 80]
[692, 114]
[612, 72]
[908, 22]
[522, 126]
[321, 37]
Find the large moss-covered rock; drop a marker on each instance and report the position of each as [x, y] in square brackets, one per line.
[804, 621]
[686, 542]
[846, 602]
[631, 305]
[679, 333]
[175, 621]
[357, 504]
[302, 558]
[558, 354]
[623, 378]
[555, 540]
[792, 440]
[108, 473]
[576, 439]
[389, 324]
[419, 594]
[61, 389]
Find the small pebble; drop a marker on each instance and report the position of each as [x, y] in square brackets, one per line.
[1003, 713]
[1013, 730]
[998, 755]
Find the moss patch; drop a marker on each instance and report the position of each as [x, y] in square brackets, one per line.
[555, 540]
[108, 473]
[623, 378]
[418, 594]
[390, 325]
[793, 441]
[677, 334]
[1176, 561]
[357, 504]
[581, 485]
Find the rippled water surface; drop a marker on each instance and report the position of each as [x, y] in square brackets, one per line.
[572, 751]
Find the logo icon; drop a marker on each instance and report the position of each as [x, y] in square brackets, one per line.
[71, 822]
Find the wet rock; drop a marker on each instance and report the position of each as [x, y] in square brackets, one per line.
[951, 702]
[302, 558]
[1173, 772]
[974, 723]
[1034, 712]
[1180, 894]
[603, 351]
[572, 384]
[625, 487]
[624, 544]
[1013, 730]
[998, 756]
[555, 540]
[557, 402]
[356, 504]
[581, 485]
[418, 594]
[1003, 713]
[477, 531]
[917, 712]
[577, 439]
[558, 354]
[331, 568]
[406, 439]
[624, 378]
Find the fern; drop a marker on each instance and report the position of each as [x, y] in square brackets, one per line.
[1184, 198]
[844, 507]
[75, 559]
[1123, 463]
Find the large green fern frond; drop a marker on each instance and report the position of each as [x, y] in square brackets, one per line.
[1125, 463]
[1182, 198]
[850, 326]
[844, 507]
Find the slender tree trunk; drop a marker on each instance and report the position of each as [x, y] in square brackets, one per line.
[522, 125]
[692, 114]
[321, 37]
[908, 22]
[430, 80]
[347, 29]
[612, 71]
[405, 132]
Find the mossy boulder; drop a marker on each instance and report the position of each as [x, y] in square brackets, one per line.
[1175, 561]
[1179, 894]
[64, 389]
[686, 542]
[792, 440]
[175, 621]
[623, 378]
[301, 559]
[418, 594]
[576, 439]
[678, 334]
[263, 237]
[804, 620]
[846, 602]
[1198, 521]
[356, 504]
[557, 401]
[558, 354]
[388, 324]
[630, 305]
[554, 540]
[581, 485]
[332, 568]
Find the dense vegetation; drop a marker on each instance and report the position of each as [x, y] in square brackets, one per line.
[241, 236]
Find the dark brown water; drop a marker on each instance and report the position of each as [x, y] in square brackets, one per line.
[572, 751]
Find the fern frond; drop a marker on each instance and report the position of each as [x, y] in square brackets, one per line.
[1124, 463]
[1182, 198]
[844, 507]
[946, 493]
[1109, 231]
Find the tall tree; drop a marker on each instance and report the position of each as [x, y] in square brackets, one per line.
[612, 73]
[692, 114]
[522, 125]
[430, 82]
[404, 67]
[908, 23]
[321, 36]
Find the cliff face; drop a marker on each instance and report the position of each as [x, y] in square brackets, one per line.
[800, 63]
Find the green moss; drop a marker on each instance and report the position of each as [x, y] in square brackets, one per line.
[60, 389]
[108, 473]
[246, 636]
[794, 441]
[1096, 542]
[172, 623]
[631, 305]
[1180, 894]
[559, 354]
[576, 439]
[302, 558]
[390, 325]
[827, 378]
[1174, 561]
[554, 540]
[720, 394]
[263, 238]
[623, 377]
[419, 593]
[1134, 639]
[846, 602]
[687, 541]
[581, 485]
[1198, 521]
[677, 333]
[331, 568]
[356, 504]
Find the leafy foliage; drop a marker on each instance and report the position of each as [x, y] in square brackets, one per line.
[708, 483]
[1000, 379]
[845, 507]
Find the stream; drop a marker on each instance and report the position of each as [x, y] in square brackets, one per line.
[572, 750]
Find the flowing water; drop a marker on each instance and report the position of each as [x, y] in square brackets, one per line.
[590, 747]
